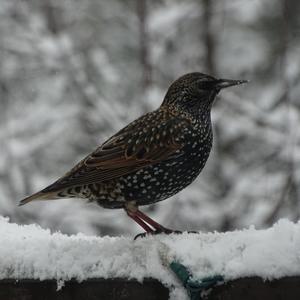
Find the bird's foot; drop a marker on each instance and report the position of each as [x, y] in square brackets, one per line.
[150, 226]
[157, 231]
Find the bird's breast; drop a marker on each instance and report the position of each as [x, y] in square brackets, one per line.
[166, 178]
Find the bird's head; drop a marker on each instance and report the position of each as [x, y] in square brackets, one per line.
[195, 92]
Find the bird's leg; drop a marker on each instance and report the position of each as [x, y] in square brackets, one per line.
[158, 227]
[148, 224]
[144, 225]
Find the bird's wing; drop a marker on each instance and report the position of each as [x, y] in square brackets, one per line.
[152, 138]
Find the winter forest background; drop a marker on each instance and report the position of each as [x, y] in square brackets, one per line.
[74, 72]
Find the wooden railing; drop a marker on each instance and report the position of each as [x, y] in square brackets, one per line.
[253, 288]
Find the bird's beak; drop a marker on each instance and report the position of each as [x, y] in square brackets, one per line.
[225, 83]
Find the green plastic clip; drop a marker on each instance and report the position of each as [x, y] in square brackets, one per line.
[195, 288]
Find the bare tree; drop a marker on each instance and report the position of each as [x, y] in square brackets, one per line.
[144, 41]
[208, 38]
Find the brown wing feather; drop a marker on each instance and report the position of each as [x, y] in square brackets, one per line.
[147, 140]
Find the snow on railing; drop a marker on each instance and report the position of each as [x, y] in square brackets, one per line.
[30, 252]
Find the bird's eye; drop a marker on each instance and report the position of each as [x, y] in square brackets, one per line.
[205, 85]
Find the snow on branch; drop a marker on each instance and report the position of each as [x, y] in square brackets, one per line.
[32, 252]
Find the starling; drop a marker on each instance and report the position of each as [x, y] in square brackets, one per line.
[152, 158]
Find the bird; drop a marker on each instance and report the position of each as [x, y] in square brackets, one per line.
[151, 159]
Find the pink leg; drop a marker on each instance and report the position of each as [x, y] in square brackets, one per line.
[148, 224]
[144, 225]
[152, 223]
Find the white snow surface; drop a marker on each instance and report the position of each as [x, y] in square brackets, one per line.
[29, 251]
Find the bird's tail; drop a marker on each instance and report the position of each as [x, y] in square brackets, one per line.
[39, 196]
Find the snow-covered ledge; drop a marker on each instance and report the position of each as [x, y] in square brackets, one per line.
[30, 252]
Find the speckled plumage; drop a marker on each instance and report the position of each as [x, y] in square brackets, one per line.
[152, 158]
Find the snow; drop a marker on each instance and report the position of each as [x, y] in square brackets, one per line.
[63, 94]
[29, 251]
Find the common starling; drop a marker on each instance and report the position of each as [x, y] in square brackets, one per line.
[152, 158]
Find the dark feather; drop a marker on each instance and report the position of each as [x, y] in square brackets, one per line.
[141, 143]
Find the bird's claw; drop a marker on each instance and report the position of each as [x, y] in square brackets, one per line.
[159, 231]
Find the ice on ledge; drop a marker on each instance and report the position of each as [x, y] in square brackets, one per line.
[32, 252]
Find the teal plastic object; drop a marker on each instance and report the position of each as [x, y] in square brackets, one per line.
[195, 288]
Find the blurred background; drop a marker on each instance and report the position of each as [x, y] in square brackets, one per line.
[74, 72]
